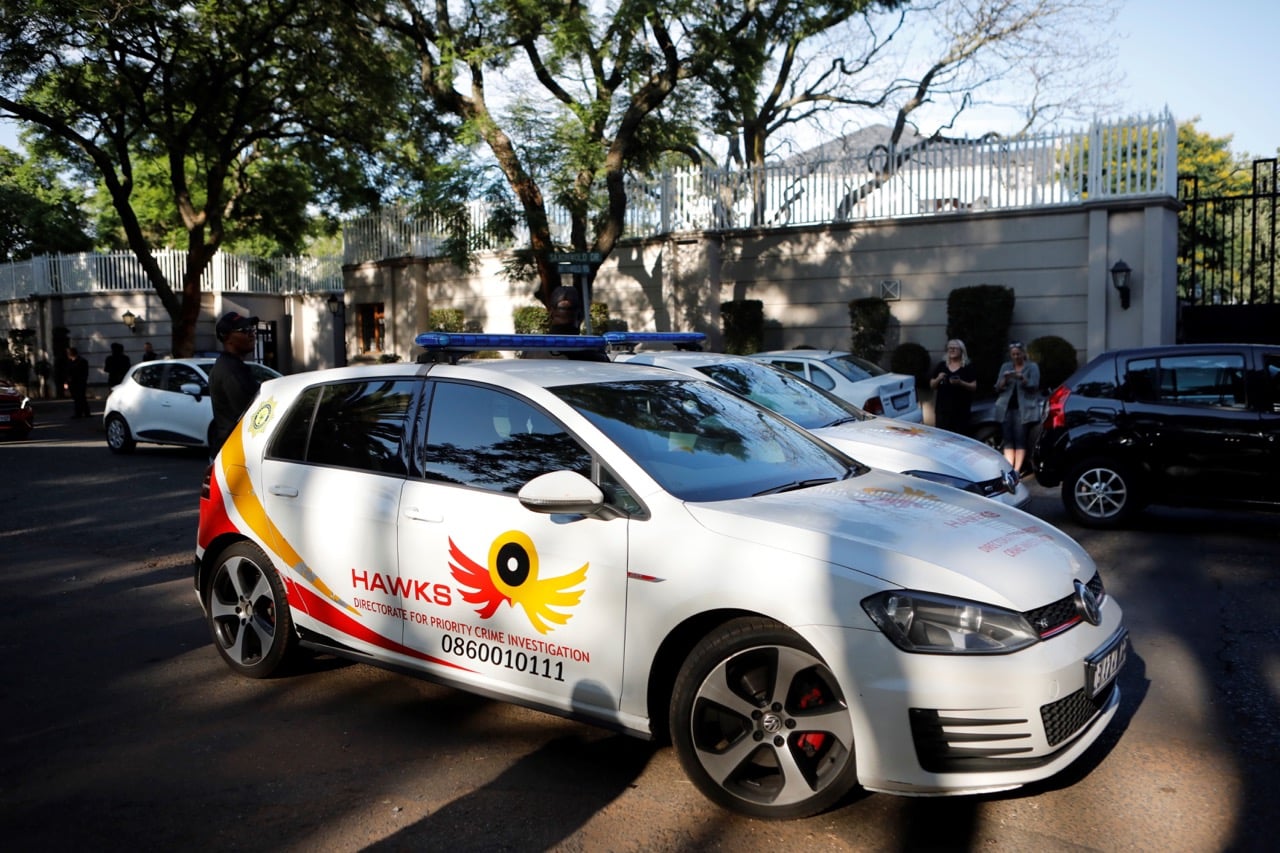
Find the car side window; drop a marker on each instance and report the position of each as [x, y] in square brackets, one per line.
[290, 439]
[820, 377]
[1271, 366]
[181, 374]
[149, 375]
[359, 425]
[488, 439]
[1215, 380]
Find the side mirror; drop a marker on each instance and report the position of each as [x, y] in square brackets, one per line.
[561, 492]
[191, 389]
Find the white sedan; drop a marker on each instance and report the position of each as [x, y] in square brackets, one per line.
[165, 401]
[867, 385]
[648, 551]
[922, 451]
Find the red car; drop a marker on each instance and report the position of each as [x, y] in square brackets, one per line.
[17, 417]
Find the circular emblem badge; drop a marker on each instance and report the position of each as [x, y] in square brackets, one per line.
[1087, 604]
[262, 416]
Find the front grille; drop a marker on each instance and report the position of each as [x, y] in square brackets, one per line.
[1059, 615]
[1064, 718]
[990, 488]
[10, 405]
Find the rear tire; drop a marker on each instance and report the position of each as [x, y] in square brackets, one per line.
[760, 724]
[1101, 493]
[119, 439]
[248, 612]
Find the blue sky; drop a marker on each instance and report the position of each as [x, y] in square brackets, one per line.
[1216, 60]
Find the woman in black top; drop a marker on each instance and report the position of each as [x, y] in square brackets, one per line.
[953, 382]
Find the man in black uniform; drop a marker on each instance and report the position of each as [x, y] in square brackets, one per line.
[231, 385]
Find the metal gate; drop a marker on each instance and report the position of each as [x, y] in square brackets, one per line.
[264, 347]
[1227, 248]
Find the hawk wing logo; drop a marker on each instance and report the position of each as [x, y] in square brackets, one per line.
[512, 577]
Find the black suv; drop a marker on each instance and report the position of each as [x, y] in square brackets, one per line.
[1195, 424]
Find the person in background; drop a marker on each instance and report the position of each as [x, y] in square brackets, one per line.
[148, 354]
[78, 382]
[953, 382]
[117, 365]
[564, 311]
[231, 384]
[1017, 406]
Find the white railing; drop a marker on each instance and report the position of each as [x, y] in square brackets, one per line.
[93, 272]
[1131, 157]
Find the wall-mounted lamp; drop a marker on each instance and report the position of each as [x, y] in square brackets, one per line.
[1120, 281]
[130, 320]
[334, 303]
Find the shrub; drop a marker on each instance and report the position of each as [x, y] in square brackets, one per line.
[913, 360]
[1056, 358]
[530, 320]
[446, 320]
[981, 316]
[869, 319]
[743, 321]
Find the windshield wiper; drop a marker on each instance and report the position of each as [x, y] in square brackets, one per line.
[845, 420]
[798, 484]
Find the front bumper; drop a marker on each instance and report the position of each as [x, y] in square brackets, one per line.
[947, 724]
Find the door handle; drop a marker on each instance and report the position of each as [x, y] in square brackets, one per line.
[415, 514]
[284, 491]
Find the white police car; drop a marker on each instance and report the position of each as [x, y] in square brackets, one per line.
[646, 550]
[922, 451]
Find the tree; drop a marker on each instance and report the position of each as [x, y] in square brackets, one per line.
[39, 213]
[607, 77]
[228, 96]
[834, 63]
[1213, 178]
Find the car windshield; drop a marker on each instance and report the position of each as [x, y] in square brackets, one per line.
[853, 368]
[784, 393]
[703, 444]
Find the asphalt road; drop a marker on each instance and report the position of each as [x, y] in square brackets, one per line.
[123, 729]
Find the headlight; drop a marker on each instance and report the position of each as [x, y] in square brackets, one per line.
[938, 624]
[945, 479]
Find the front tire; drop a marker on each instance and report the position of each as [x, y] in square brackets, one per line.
[119, 439]
[1101, 493]
[248, 612]
[760, 724]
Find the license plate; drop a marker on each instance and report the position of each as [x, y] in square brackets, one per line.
[1102, 667]
[901, 401]
[4, 419]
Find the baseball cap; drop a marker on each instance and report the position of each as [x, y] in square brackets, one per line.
[234, 321]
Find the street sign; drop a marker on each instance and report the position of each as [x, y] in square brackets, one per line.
[575, 257]
[576, 268]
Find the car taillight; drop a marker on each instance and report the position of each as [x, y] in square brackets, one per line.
[1057, 416]
[874, 406]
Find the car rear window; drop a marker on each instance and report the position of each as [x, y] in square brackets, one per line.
[1214, 379]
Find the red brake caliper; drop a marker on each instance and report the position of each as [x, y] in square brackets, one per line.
[810, 742]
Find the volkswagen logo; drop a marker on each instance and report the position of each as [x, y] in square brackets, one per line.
[1087, 604]
[1011, 481]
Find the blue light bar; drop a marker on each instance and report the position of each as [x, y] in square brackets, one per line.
[477, 342]
[632, 338]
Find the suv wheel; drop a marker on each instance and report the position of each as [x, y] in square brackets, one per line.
[1101, 492]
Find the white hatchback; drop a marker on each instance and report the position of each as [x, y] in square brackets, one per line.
[165, 401]
[865, 384]
[921, 451]
[648, 551]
